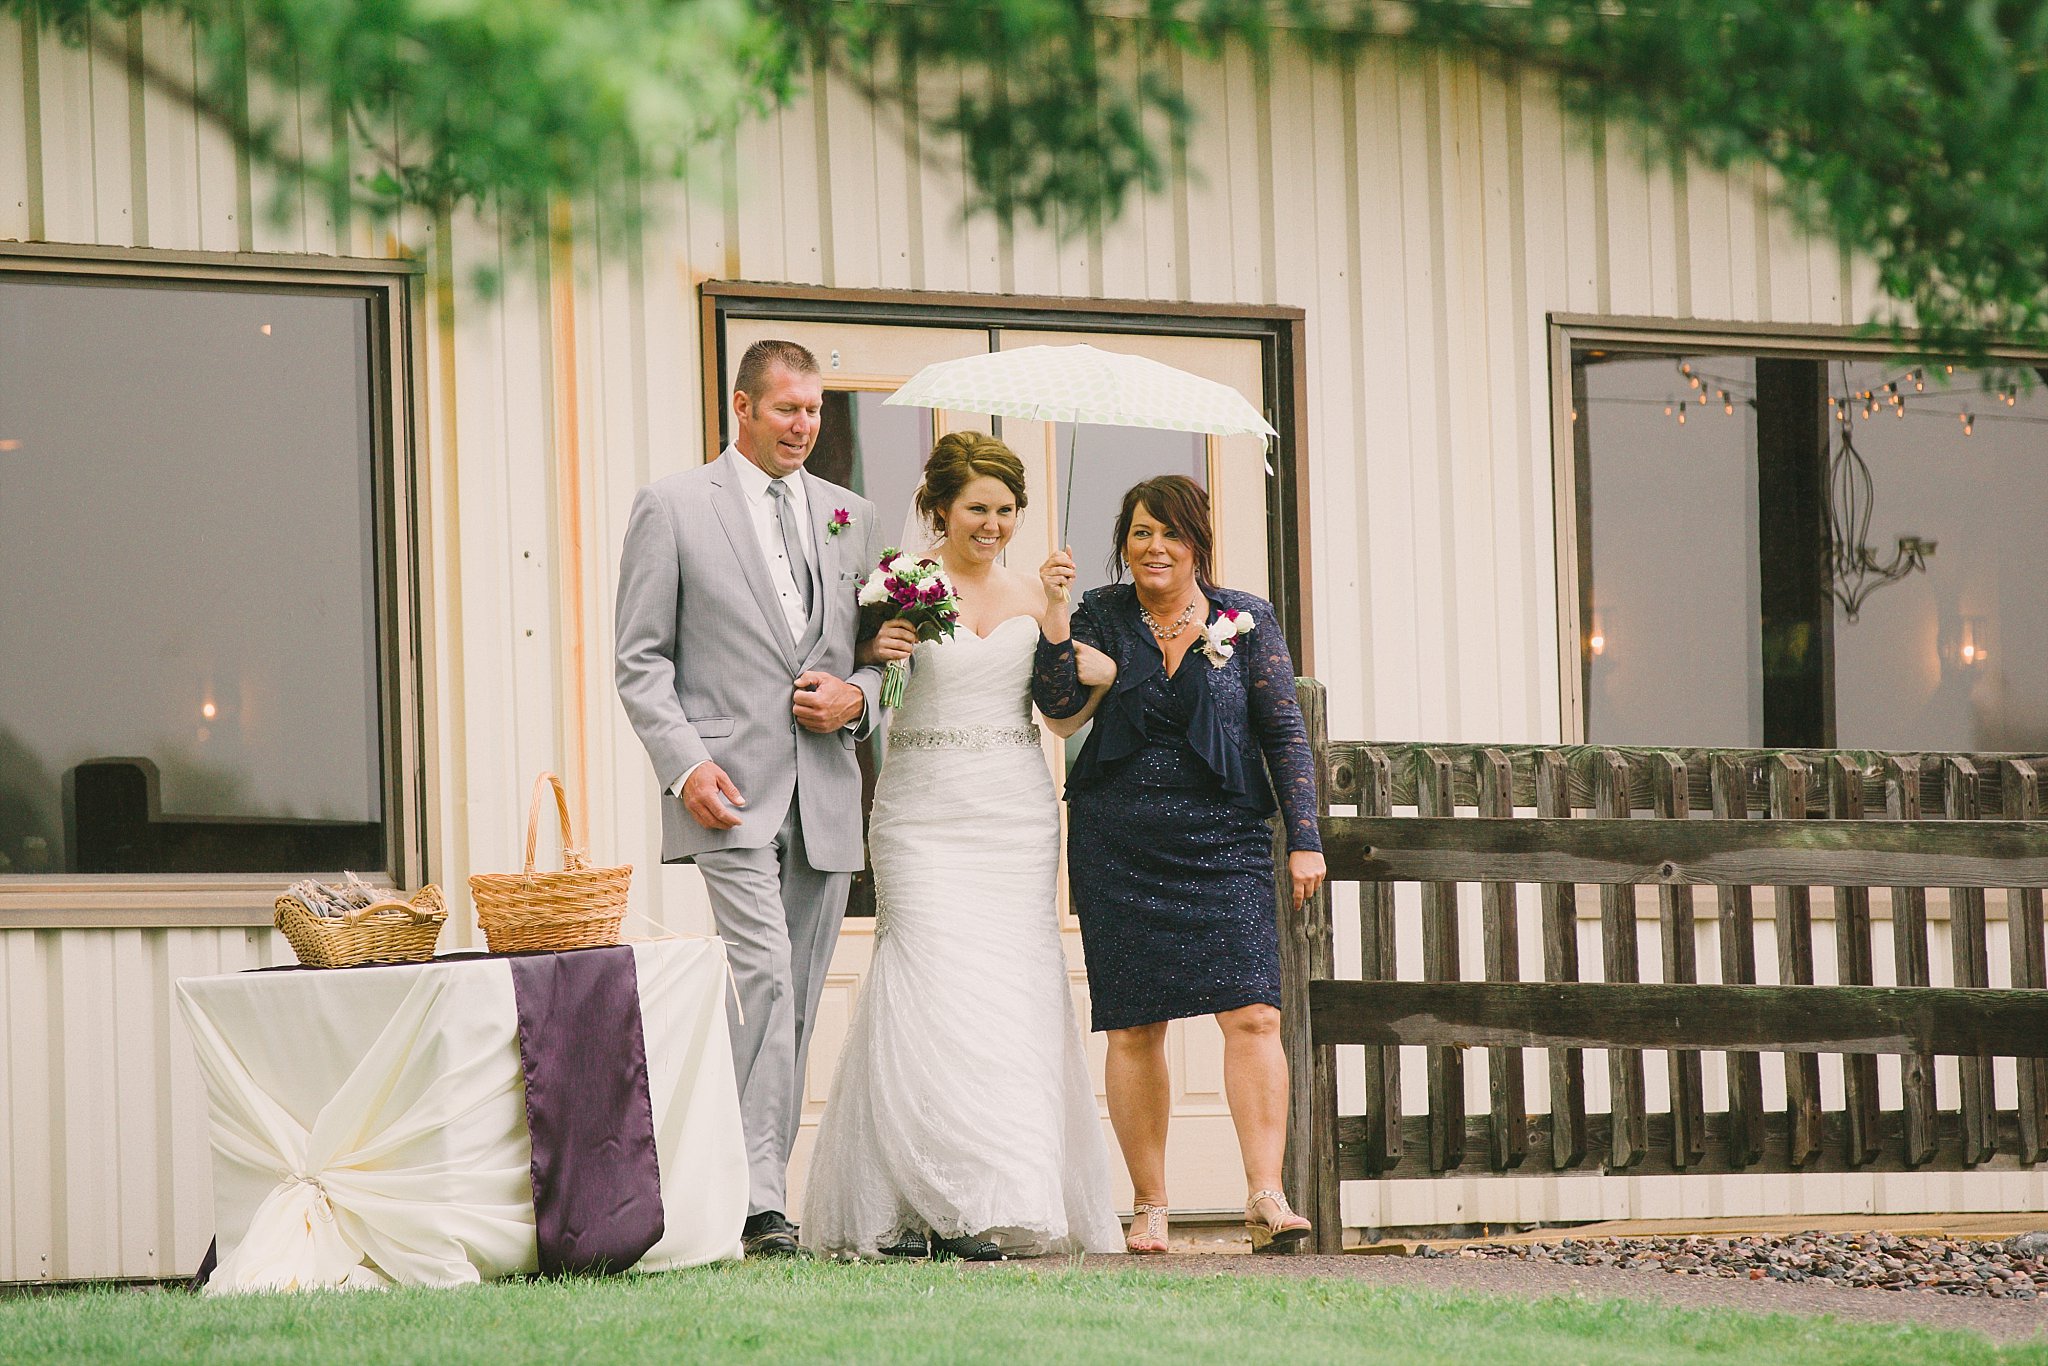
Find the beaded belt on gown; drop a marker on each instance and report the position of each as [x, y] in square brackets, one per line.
[966, 737]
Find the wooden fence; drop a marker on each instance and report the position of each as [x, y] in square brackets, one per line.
[1584, 820]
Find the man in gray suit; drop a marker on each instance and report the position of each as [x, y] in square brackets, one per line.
[736, 627]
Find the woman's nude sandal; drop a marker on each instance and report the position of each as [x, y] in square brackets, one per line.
[1152, 1241]
[1280, 1234]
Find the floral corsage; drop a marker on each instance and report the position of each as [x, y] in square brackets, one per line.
[1218, 636]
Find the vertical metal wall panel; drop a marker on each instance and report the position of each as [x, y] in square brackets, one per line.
[103, 1147]
[1429, 218]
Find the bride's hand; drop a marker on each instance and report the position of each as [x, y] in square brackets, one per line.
[1058, 574]
[1097, 669]
[895, 641]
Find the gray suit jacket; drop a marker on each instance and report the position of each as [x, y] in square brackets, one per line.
[705, 662]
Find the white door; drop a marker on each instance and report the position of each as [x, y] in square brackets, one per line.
[879, 452]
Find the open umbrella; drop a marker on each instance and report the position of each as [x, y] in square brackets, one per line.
[1078, 384]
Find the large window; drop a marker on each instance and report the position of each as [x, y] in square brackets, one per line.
[197, 655]
[1786, 547]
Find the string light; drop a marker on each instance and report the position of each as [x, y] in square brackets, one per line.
[1845, 406]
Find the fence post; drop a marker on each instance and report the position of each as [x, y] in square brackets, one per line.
[1306, 954]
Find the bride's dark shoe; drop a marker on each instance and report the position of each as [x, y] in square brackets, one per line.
[910, 1243]
[967, 1249]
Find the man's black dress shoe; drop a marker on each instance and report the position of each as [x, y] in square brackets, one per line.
[769, 1234]
[909, 1243]
[967, 1248]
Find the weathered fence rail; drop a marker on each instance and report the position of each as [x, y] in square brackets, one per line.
[1579, 820]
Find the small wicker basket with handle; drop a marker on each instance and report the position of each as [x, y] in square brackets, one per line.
[577, 907]
[388, 931]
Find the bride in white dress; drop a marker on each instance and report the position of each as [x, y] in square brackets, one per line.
[963, 1108]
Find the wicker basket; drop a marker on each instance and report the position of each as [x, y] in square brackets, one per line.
[579, 907]
[389, 931]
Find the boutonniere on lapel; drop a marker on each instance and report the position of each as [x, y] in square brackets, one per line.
[1218, 636]
[841, 520]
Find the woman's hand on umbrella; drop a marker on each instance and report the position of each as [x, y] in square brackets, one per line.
[1058, 575]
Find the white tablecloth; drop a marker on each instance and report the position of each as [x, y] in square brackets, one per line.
[372, 1120]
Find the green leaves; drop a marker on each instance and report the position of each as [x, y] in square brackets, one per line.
[1909, 131]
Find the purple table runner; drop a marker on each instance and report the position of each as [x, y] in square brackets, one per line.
[596, 1183]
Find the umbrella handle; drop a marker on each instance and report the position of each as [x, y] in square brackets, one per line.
[1067, 510]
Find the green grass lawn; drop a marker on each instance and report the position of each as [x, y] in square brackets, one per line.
[813, 1312]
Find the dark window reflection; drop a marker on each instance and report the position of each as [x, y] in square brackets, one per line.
[1105, 462]
[879, 452]
[1717, 495]
[189, 643]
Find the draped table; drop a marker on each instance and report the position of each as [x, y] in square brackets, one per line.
[469, 1118]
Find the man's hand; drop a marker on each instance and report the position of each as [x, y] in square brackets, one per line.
[824, 704]
[705, 796]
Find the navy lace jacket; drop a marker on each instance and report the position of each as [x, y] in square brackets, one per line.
[1244, 711]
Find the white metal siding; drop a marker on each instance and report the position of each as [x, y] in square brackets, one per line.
[1426, 216]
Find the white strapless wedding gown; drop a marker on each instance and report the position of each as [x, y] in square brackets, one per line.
[963, 1103]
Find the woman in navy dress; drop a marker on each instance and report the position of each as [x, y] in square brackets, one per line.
[1168, 850]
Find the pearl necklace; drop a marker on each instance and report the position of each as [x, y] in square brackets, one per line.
[1180, 623]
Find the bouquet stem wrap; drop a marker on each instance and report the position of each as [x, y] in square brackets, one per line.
[895, 678]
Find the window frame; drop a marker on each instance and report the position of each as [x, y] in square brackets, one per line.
[1281, 331]
[1570, 332]
[186, 901]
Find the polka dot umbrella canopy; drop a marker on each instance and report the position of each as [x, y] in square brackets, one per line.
[1083, 384]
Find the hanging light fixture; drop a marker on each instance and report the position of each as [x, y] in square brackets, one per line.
[1856, 570]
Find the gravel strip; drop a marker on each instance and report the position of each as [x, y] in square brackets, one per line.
[2014, 1269]
[2001, 1321]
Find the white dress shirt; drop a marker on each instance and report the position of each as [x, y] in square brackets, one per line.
[754, 483]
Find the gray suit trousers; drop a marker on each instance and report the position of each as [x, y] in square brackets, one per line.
[780, 919]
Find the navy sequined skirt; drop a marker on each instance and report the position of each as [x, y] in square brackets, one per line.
[1173, 885]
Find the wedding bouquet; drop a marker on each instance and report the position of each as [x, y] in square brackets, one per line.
[919, 592]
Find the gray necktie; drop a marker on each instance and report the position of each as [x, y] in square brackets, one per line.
[792, 541]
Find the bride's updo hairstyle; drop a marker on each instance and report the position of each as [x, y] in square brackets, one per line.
[958, 460]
